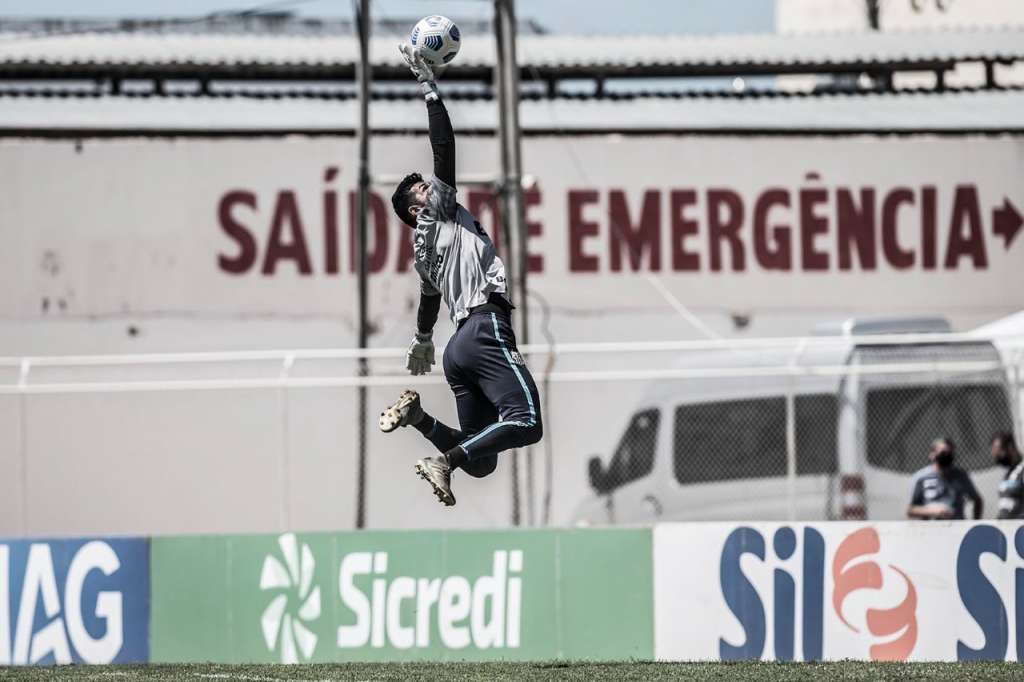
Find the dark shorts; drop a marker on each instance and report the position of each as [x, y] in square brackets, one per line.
[495, 394]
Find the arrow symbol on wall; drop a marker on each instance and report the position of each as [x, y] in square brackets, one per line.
[1006, 221]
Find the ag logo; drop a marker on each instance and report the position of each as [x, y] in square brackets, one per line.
[850, 575]
[296, 601]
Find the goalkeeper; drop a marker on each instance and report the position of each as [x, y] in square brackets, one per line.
[495, 394]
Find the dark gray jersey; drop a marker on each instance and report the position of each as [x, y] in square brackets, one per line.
[950, 489]
[454, 256]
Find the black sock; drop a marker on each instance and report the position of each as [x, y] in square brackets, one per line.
[456, 457]
[425, 425]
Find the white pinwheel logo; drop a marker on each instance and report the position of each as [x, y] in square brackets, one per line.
[283, 626]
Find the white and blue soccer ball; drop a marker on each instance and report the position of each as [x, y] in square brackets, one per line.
[438, 39]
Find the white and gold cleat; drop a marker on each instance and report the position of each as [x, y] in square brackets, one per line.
[405, 411]
[436, 472]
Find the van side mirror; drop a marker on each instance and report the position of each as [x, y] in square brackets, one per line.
[598, 478]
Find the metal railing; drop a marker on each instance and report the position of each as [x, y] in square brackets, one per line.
[684, 429]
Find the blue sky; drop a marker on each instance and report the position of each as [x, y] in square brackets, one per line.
[565, 16]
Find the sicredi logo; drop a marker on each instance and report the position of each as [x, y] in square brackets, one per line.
[380, 606]
[492, 604]
[73, 601]
[296, 600]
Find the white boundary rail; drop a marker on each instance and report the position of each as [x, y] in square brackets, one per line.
[287, 360]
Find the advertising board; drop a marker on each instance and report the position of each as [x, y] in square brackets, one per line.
[938, 591]
[377, 596]
[74, 601]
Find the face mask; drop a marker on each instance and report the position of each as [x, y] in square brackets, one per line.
[944, 458]
[1003, 459]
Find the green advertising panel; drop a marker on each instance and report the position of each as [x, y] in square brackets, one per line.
[401, 595]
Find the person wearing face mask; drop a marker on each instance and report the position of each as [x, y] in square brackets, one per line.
[1011, 488]
[941, 487]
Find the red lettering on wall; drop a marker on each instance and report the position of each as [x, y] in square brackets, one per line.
[856, 228]
[682, 228]
[774, 252]
[966, 214]
[645, 235]
[928, 227]
[534, 228]
[287, 242]
[331, 251]
[812, 225]
[725, 228]
[332, 254]
[246, 257]
[897, 257]
[581, 229]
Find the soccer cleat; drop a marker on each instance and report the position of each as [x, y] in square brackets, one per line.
[436, 472]
[405, 411]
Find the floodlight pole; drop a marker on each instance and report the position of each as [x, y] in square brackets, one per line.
[364, 75]
[512, 207]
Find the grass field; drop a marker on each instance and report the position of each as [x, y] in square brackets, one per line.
[845, 670]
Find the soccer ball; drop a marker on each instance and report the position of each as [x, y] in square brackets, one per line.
[438, 39]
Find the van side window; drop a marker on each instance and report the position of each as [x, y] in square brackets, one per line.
[817, 434]
[634, 456]
[742, 439]
[902, 421]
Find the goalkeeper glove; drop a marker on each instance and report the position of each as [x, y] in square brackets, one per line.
[421, 354]
[423, 71]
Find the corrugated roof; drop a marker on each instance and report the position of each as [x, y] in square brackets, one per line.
[545, 51]
[990, 111]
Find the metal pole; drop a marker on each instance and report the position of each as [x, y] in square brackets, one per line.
[874, 15]
[517, 208]
[364, 75]
[514, 187]
[508, 235]
[512, 209]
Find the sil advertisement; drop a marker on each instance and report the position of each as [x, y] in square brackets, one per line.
[924, 591]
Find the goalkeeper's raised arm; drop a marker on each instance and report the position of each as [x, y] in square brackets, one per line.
[442, 136]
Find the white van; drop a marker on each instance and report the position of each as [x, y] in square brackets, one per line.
[717, 448]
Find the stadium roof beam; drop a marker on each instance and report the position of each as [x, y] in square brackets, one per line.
[318, 54]
[549, 77]
[953, 112]
[476, 73]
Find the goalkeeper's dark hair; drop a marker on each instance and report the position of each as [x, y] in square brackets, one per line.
[402, 198]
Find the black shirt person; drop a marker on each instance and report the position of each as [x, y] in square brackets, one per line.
[940, 488]
[1011, 488]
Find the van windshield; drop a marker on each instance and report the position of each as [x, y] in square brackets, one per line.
[634, 457]
[903, 421]
[742, 439]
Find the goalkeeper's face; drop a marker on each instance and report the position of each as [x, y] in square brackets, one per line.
[418, 195]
